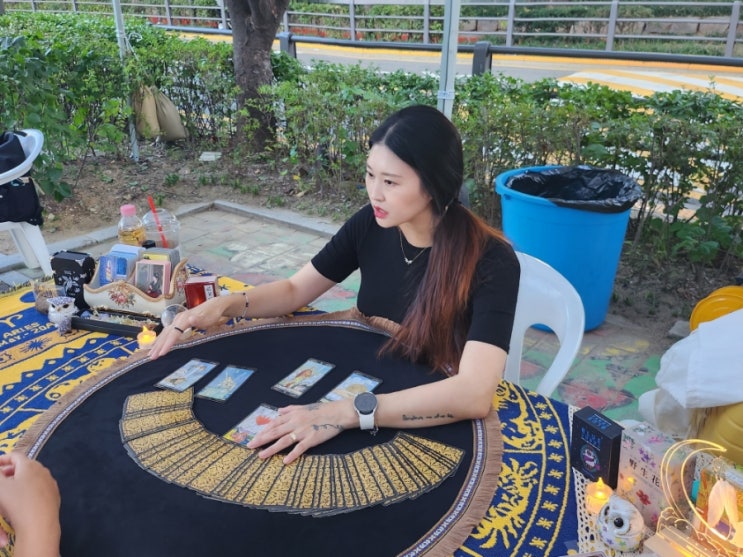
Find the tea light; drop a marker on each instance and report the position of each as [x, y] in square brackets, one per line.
[146, 338]
[597, 495]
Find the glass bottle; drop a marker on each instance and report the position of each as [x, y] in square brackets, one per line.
[131, 229]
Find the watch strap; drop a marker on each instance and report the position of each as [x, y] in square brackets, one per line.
[366, 421]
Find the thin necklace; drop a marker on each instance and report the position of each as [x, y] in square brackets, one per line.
[405, 257]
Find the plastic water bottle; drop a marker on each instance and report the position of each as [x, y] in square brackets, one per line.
[131, 228]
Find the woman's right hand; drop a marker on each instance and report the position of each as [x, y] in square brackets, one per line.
[203, 316]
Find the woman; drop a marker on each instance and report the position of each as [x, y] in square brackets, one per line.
[427, 263]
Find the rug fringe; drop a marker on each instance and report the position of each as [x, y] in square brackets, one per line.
[482, 499]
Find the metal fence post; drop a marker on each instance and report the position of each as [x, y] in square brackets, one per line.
[352, 18]
[733, 29]
[482, 60]
[168, 12]
[510, 23]
[611, 27]
[287, 45]
[223, 16]
[427, 22]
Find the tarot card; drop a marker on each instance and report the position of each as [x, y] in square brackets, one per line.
[352, 385]
[301, 379]
[153, 277]
[186, 375]
[226, 383]
[250, 426]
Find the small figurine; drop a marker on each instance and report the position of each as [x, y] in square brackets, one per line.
[42, 292]
[61, 310]
[620, 525]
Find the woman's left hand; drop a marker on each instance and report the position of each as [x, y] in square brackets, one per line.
[304, 427]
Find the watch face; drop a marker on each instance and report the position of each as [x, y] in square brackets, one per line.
[365, 403]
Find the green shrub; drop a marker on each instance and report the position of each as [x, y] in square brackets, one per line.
[684, 148]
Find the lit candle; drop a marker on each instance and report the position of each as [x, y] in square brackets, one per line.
[597, 495]
[146, 338]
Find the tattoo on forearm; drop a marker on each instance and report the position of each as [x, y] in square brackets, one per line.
[436, 416]
[313, 406]
[318, 427]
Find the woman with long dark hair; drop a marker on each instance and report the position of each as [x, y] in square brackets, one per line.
[427, 263]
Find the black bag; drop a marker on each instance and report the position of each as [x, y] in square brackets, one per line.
[11, 152]
[19, 201]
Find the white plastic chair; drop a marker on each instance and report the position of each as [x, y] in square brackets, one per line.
[546, 298]
[27, 237]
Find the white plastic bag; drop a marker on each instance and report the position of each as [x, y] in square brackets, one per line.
[705, 369]
[701, 371]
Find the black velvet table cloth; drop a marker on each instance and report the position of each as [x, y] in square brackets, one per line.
[112, 507]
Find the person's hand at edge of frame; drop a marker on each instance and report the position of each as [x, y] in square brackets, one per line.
[30, 501]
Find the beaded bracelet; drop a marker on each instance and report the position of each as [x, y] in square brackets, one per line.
[247, 304]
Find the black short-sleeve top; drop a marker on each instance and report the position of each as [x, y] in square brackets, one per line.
[388, 283]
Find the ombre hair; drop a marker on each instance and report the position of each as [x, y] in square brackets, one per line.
[434, 329]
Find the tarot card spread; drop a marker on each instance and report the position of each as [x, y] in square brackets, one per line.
[161, 434]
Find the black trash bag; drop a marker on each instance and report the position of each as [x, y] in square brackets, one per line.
[580, 187]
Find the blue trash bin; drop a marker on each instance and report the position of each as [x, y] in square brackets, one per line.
[583, 244]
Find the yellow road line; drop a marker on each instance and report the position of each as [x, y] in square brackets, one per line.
[646, 83]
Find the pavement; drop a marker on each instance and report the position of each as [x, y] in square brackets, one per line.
[616, 363]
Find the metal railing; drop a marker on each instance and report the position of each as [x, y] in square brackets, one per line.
[601, 28]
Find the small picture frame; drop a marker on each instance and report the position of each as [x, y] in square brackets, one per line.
[152, 277]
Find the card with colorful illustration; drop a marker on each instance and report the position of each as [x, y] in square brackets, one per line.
[305, 376]
[226, 383]
[352, 385]
[186, 375]
[250, 426]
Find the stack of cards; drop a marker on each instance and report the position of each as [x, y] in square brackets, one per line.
[162, 435]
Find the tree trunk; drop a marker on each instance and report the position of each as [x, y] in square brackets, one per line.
[254, 27]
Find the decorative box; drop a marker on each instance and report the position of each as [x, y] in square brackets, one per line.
[124, 296]
[72, 270]
[199, 289]
[641, 454]
[594, 446]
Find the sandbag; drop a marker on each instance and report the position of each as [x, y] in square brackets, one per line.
[145, 114]
[168, 117]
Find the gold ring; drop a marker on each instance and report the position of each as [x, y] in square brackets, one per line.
[294, 437]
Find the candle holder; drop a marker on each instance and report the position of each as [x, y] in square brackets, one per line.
[597, 495]
[146, 338]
